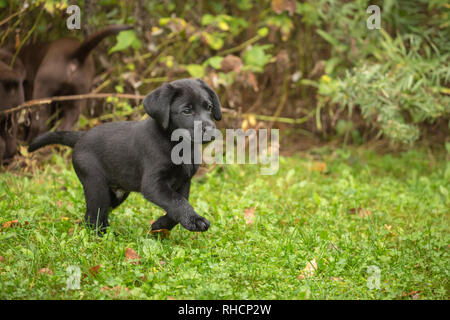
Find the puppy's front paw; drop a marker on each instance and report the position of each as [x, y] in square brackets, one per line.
[195, 223]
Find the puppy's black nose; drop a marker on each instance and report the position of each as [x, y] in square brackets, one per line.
[207, 126]
[209, 131]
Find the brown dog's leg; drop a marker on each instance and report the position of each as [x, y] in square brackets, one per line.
[42, 89]
[38, 122]
[3, 138]
[71, 113]
[11, 139]
[2, 149]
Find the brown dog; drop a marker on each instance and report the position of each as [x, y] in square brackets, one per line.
[61, 67]
[11, 95]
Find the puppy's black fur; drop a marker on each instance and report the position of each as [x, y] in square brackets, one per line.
[114, 159]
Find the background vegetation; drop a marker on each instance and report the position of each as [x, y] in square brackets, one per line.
[313, 66]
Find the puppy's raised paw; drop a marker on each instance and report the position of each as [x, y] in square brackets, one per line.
[195, 223]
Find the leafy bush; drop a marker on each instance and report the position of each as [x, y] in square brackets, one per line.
[283, 60]
[397, 81]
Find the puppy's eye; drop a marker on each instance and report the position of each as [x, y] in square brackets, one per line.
[209, 107]
[186, 111]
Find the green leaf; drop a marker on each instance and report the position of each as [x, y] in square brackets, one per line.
[332, 40]
[119, 88]
[256, 58]
[206, 19]
[213, 40]
[196, 70]
[263, 32]
[214, 62]
[244, 5]
[126, 39]
[164, 21]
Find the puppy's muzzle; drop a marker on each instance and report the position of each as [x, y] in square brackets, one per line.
[208, 133]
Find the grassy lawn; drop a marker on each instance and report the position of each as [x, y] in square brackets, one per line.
[312, 231]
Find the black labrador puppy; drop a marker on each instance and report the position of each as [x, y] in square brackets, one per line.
[114, 159]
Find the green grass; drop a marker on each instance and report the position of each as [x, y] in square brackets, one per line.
[301, 213]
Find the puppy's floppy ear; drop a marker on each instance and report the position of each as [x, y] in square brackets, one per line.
[215, 100]
[157, 104]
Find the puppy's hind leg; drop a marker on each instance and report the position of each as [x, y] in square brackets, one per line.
[96, 191]
[98, 203]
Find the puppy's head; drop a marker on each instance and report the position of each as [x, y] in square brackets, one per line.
[185, 104]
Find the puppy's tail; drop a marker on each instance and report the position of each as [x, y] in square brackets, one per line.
[66, 138]
[90, 43]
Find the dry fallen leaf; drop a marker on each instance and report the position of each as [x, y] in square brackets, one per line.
[319, 166]
[388, 228]
[281, 5]
[337, 279]
[244, 124]
[249, 215]
[252, 120]
[115, 290]
[94, 270]
[309, 270]
[163, 233]
[23, 151]
[231, 63]
[2, 259]
[46, 271]
[10, 223]
[362, 212]
[318, 70]
[414, 294]
[132, 256]
[252, 80]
